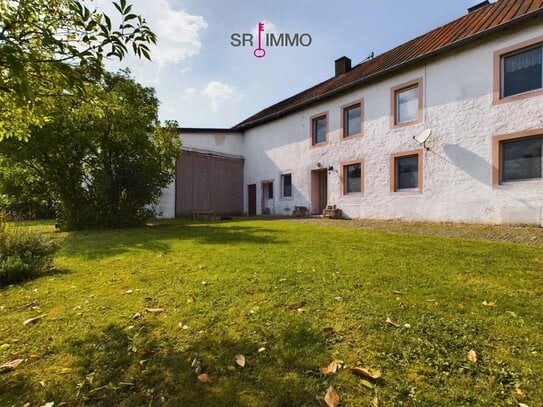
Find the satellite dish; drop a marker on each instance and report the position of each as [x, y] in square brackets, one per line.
[422, 137]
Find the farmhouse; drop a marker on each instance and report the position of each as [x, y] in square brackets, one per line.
[446, 127]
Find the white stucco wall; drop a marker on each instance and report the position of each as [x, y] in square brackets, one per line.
[230, 144]
[457, 170]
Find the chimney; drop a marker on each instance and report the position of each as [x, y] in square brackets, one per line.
[343, 65]
[478, 6]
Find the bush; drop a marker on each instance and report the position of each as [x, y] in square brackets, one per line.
[23, 253]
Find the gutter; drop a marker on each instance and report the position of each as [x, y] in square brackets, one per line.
[370, 78]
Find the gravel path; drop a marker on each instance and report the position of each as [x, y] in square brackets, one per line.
[529, 235]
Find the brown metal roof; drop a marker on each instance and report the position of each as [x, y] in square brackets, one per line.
[470, 27]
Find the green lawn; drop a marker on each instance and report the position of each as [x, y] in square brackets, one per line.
[243, 285]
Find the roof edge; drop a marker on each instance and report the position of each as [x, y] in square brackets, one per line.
[196, 130]
[370, 78]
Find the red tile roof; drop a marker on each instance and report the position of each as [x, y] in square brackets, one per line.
[470, 27]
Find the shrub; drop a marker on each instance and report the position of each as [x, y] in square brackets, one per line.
[23, 253]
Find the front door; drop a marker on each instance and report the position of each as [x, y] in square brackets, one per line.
[251, 190]
[267, 198]
[319, 191]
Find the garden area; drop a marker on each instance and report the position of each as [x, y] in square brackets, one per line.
[253, 312]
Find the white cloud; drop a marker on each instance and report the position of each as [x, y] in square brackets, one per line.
[188, 92]
[178, 32]
[217, 93]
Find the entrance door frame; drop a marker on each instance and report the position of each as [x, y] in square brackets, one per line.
[319, 200]
[264, 194]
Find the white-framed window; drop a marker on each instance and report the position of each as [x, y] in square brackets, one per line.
[286, 185]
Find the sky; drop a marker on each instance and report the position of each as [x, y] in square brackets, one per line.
[202, 80]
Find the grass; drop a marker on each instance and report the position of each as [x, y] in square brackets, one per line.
[243, 285]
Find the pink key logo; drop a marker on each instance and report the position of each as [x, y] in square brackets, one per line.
[260, 52]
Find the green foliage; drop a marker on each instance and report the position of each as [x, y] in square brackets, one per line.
[105, 159]
[22, 194]
[49, 48]
[23, 253]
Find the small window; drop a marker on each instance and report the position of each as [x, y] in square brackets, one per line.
[407, 172]
[352, 120]
[319, 130]
[352, 175]
[286, 181]
[407, 105]
[522, 71]
[521, 159]
[270, 190]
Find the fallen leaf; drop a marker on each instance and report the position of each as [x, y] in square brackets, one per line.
[489, 303]
[137, 315]
[240, 360]
[391, 322]
[260, 350]
[204, 378]
[375, 402]
[398, 292]
[154, 310]
[332, 367]
[12, 364]
[472, 356]
[329, 330]
[331, 398]
[42, 383]
[4, 346]
[128, 292]
[363, 372]
[66, 370]
[49, 404]
[407, 326]
[522, 405]
[33, 320]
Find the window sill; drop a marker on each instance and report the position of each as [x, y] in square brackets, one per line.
[353, 137]
[323, 144]
[512, 184]
[286, 198]
[406, 124]
[413, 191]
[519, 96]
[350, 195]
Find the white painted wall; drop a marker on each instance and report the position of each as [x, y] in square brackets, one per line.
[220, 143]
[457, 169]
